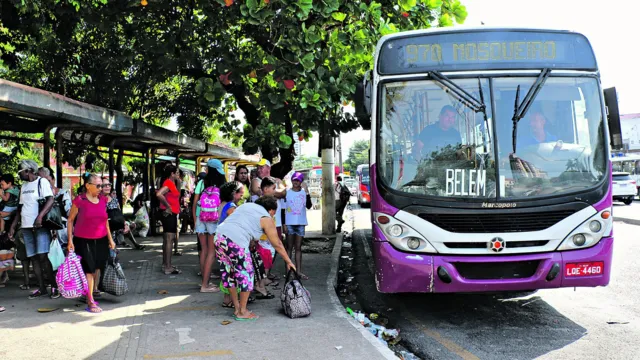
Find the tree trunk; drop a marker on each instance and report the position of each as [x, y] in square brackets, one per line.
[287, 156]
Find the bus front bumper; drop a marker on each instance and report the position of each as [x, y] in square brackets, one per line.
[397, 271]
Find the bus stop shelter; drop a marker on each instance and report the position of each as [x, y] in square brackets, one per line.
[29, 110]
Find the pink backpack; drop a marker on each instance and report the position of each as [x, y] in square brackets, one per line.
[72, 282]
[209, 204]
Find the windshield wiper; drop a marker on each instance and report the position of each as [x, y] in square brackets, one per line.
[520, 109]
[469, 100]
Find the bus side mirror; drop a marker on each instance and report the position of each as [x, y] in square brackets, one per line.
[613, 118]
[362, 100]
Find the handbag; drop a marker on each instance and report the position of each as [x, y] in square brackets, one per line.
[295, 299]
[114, 281]
[116, 219]
[52, 220]
[56, 255]
[71, 280]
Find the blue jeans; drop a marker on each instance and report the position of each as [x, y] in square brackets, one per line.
[36, 241]
[295, 230]
[205, 227]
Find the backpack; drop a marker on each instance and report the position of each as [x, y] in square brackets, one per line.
[209, 204]
[345, 193]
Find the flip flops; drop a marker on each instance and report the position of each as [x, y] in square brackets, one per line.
[252, 317]
[94, 309]
[268, 296]
[213, 289]
[174, 271]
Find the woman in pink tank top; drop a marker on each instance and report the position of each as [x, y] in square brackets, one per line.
[89, 234]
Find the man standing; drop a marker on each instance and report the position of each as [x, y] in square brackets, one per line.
[30, 215]
[264, 170]
[343, 195]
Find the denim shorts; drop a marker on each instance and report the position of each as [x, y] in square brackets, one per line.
[205, 227]
[9, 209]
[296, 230]
[36, 241]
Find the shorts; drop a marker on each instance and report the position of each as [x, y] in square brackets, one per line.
[36, 241]
[296, 230]
[94, 253]
[9, 209]
[169, 223]
[206, 227]
[238, 268]
[266, 255]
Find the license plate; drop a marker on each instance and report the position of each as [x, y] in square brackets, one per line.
[623, 185]
[584, 269]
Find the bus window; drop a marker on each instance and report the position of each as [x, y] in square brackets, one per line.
[432, 143]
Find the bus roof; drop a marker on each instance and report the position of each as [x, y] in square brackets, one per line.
[483, 48]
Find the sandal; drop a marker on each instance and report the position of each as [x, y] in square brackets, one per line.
[94, 309]
[303, 276]
[36, 294]
[251, 299]
[25, 287]
[274, 283]
[177, 253]
[97, 294]
[2, 309]
[252, 317]
[174, 271]
[268, 296]
[227, 305]
[212, 289]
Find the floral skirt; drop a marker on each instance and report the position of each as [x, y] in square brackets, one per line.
[237, 271]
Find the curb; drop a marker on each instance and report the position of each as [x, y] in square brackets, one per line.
[332, 281]
[627, 220]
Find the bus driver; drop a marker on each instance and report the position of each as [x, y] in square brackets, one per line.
[437, 136]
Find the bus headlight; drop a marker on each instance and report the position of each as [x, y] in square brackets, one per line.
[395, 230]
[413, 243]
[402, 236]
[595, 226]
[579, 239]
[589, 233]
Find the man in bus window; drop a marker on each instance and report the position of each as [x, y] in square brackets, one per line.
[437, 136]
[537, 132]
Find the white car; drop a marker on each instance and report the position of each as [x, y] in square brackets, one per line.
[624, 187]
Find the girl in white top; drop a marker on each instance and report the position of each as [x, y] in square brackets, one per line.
[296, 218]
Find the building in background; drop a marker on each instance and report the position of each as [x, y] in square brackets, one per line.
[630, 126]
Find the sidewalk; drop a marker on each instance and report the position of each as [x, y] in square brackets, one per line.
[183, 324]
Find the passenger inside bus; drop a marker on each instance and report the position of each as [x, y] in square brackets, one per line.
[437, 136]
[537, 132]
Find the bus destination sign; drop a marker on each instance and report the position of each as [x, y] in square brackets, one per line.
[485, 50]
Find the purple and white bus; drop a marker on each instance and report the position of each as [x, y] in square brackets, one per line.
[489, 161]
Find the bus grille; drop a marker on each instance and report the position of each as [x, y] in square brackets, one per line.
[484, 245]
[496, 223]
[497, 270]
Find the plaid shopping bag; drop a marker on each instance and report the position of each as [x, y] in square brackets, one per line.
[114, 281]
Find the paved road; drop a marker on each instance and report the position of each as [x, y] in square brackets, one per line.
[585, 323]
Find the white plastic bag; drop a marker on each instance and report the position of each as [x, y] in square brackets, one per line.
[56, 256]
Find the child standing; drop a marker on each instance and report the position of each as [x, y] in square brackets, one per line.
[10, 195]
[296, 218]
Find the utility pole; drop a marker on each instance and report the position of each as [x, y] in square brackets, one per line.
[340, 153]
[328, 193]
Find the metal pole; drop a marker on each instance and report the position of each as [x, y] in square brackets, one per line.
[152, 192]
[46, 158]
[59, 158]
[111, 160]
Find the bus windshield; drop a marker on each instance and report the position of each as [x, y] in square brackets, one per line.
[434, 143]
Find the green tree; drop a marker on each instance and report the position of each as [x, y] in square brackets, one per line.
[358, 154]
[289, 65]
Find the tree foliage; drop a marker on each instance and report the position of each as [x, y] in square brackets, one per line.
[289, 65]
[358, 154]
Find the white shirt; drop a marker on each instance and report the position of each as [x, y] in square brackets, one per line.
[29, 194]
[296, 213]
[281, 205]
[244, 224]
